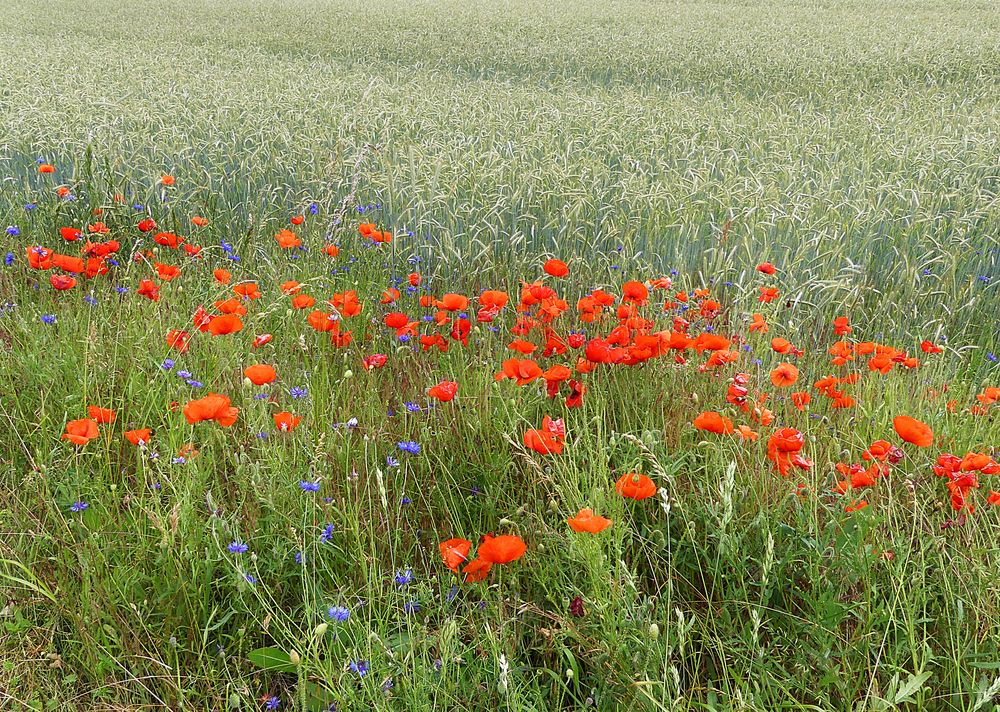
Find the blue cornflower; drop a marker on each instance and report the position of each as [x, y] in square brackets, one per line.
[261, 396]
[238, 547]
[121, 290]
[250, 579]
[113, 263]
[411, 607]
[272, 703]
[298, 392]
[13, 230]
[178, 461]
[313, 209]
[28, 207]
[307, 486]
[8, 259]
[981, 278]
[991, 357]
[48, 318]
[402, 578]
[300, 557]
[412, 407]
[452, 594]
[360, 667]
[327, 534]
[406, 500]
[184, 374]
[79, 506]
[404, 338]
[90, 299]
[409, 446]
[168, 363]
[138, 208]
[391, 462]
[338, 613]
[194, 384]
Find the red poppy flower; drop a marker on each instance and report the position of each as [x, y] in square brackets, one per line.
[784, 375]
[713, 422]
[178, 339]
[547, 440]
[501, 549]
[286, 422]
[913, 431]
[80, 432]
[455, 552]
[635, 486]
[586, 521]
[138, 437]
[555, 268]
[102, 416]
[212, 407]
[444, 391]
[260, 374]
[225, 324]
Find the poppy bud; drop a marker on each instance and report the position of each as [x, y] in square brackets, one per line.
[320, 630]
[694, 397]
[294, 658]
[569, 673]
[348, 373]
[654, 631]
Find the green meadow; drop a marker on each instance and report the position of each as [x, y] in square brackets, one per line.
[853, 145]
